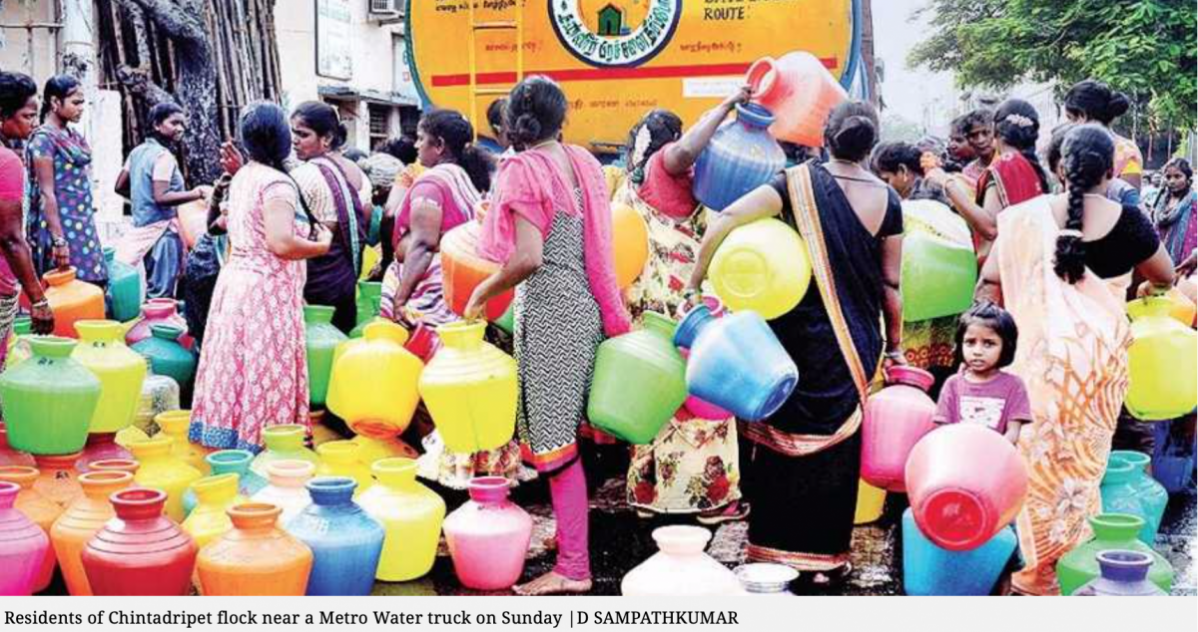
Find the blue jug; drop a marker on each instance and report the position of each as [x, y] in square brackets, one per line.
[741, 156]
[929, 570]
[1127, 488]
[736, 363]
[346, 542]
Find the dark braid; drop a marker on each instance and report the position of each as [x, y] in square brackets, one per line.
[1088, 156]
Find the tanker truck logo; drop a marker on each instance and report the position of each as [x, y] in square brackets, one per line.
[614, 32]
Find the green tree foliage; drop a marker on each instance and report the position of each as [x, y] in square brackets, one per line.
[1146, 48]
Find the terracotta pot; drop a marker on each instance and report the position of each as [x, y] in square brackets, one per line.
[255, 558]
[140, 551]
[82, 521]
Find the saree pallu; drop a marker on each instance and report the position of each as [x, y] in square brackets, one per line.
[1014, 180]
[802, 465]
[1072, 355]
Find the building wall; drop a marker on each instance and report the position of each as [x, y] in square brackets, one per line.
[372, 52]
[16, 54]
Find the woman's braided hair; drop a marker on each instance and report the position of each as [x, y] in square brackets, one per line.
[1088, 156]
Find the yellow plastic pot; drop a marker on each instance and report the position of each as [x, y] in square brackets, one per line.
[215, 495]
[374, 381]
[121, 371]
[174, 424]
[1162, 361]
[762, 266]
[411, 515]
[470, 388]
[160, 469]
[340, 458]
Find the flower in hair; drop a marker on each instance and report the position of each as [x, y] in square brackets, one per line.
[1019, 120]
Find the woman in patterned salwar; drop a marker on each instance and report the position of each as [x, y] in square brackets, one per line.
[550, 227]
[692, 466]
[253, 371]
[1072, 330]
[801, 466]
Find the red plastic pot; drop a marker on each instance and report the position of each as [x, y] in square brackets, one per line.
[966, 483]
[140, 551]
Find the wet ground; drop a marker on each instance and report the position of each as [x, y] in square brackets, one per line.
[620, 541]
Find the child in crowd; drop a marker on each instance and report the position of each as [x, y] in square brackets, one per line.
[982, 393]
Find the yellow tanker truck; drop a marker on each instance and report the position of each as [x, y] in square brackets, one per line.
[617, 59]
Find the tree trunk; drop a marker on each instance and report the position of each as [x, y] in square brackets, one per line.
[183, 23]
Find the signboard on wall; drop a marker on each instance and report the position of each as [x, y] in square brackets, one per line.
[334, 57]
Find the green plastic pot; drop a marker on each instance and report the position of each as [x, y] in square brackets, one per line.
[320, 339]
[1112, 532]
[49, 400]
[639, 382]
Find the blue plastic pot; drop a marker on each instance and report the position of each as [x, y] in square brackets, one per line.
[736, 363]
[929, 570]
[346, 542]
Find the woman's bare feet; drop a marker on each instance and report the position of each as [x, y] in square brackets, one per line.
[552, 583]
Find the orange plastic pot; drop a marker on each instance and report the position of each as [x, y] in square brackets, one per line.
[462, 270]
[82, 521]
[72, 300]
[255, 558]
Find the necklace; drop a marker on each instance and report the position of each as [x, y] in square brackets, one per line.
[846, 162]
[543, 144]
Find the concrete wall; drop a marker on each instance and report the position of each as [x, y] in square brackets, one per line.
[372, 50]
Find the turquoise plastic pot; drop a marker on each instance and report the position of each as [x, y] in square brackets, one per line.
[1127, 489]
[124, 288]
[168, 357]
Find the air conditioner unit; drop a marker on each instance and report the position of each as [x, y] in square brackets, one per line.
[386, 10]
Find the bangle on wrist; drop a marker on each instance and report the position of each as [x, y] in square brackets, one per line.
[45, 302]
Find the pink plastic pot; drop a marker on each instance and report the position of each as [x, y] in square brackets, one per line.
[966, 483]
[896, 418]
[159, 311]
[23, 546]
[488, 536]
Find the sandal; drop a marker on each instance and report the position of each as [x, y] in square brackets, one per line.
[733, 512]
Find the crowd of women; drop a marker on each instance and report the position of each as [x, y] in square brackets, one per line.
[290, 220]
